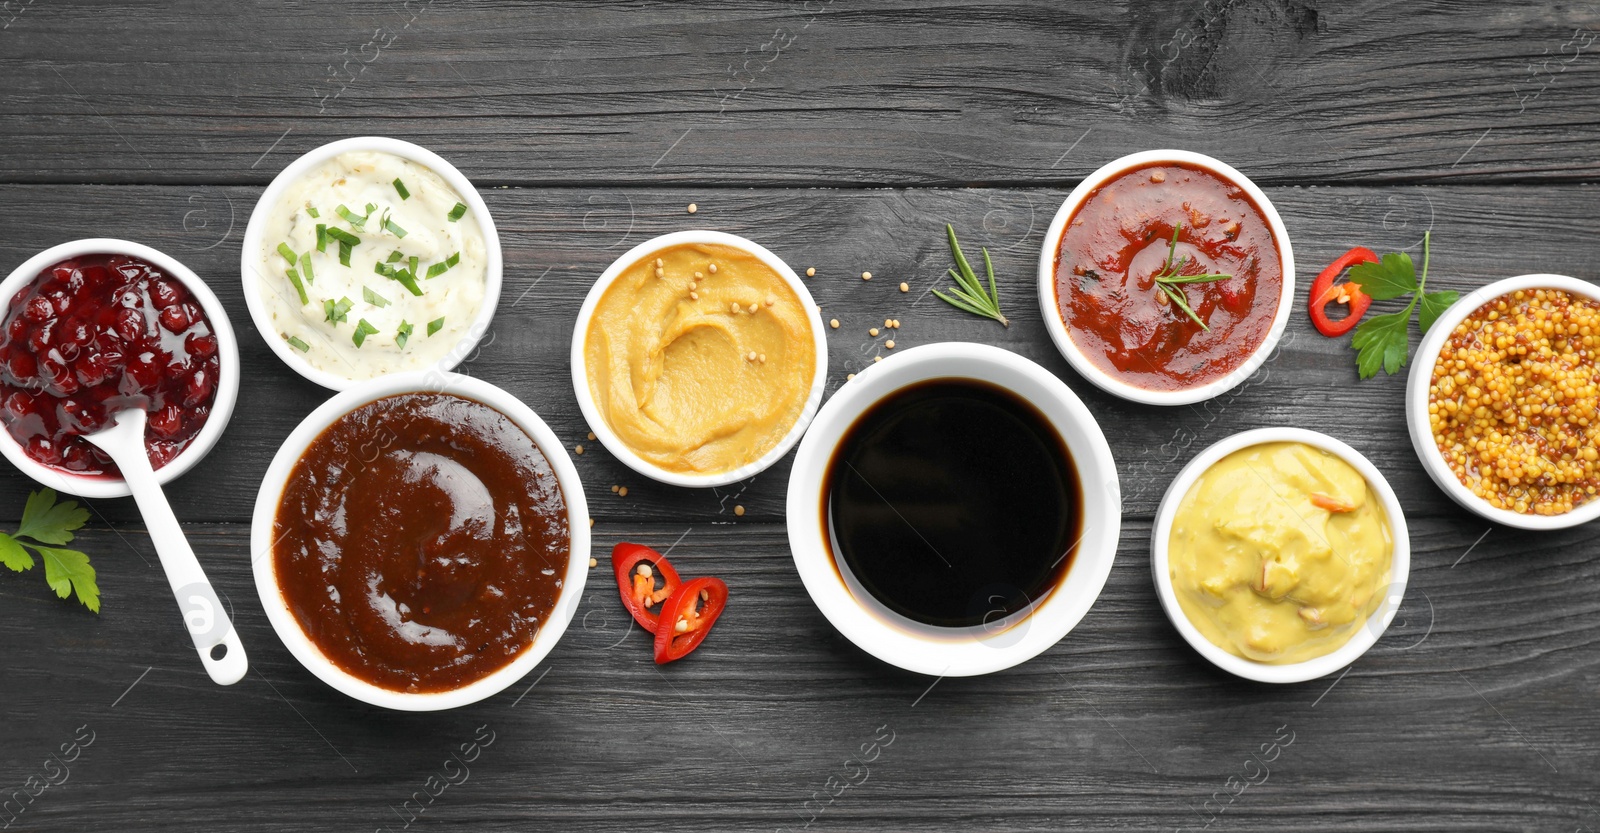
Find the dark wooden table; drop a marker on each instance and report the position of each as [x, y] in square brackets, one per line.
[842, 137]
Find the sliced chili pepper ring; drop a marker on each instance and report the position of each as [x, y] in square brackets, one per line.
[687, 617]
[1324, 292]
[638, 589]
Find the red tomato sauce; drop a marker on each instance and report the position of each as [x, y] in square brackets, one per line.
[1117, 242]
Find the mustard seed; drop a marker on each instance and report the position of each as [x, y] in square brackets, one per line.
[811, 271]
[693, 208]
[834, 323]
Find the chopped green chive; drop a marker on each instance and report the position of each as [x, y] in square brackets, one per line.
[305, 268]
[322, 237]
[394, 228]
[343, 236]
[435, 325]
[288, 253]
[414, 261]
[363, 329]
[373, 298]
[337, 312]
[371, 207]
[407, 278]
[298, 344]
[395, 257]
[443, 266]
[458, 212]
[344, 253]
[313, 212]
[401, 187]
[351, 217]
[403, 335]
[294, 278]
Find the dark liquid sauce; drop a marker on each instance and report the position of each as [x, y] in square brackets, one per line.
[1118, 241]
[421, 541]
[954, 502]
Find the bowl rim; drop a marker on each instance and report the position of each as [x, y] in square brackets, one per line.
[1362, 639]
[263, 565]
[1061, 334]
[255, 228]
[956, 652]
[602, 429]
[228, 373]
[1420, 380]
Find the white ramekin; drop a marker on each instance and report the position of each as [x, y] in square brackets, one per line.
[227, 379]
[597, 421]
[954, 652]
[1059, 332]
[251, 254]
[269, 498]
[1421, 379]
[1364, 637]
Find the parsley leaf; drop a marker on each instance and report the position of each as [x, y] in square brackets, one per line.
[1391, 277]
[1382, 342]
[49, 522]
[1433, 305]
[46, 521]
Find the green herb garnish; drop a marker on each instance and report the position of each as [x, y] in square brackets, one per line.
[312, 210]
[406, 277]
[46, 522]
[363, 329]
[393, 227]
[457, 213]
[401, 188]
[443, 266]
[322, 237]
[395, 257]
[305, 267]
[373, 298]
[435, 325]
[297, 343]
[1169, 279]
[288, 253]
[358, 221]
[1385, 341]
[347, 243]
[337, 312]
[968, 294]
[403, 335]
[299, 287]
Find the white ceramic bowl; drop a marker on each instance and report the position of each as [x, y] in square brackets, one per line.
[1421, 378]
[1062, 335]
[1363, 638]
[227, 379]
[250, 255]
[954, 652]
[293, 448]
[597, 421]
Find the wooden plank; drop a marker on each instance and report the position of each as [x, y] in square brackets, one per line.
[558, 240]
[1475, 712]
[807, 92]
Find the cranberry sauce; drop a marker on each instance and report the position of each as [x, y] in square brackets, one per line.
[95, 335]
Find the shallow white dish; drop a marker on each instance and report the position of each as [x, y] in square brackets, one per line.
[227, 380]
[1062, 336]
[597, 422]
[269, 200]
[954, 652]
[1421, 379]
[1362, 639]
[268, 499]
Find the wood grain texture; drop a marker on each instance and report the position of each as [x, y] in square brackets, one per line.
[806, 91]
[589, 128]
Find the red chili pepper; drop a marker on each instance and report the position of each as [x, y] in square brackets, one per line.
[696, 605]
[638, 589]
[1324, 292]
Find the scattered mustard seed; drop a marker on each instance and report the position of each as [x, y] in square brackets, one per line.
[873, 332]
[753, 308]
[889, 344]
[752, 356]
[866, 276]
[834, 323]
[614, 488]
[905, 287]
[622, 491]
[770, 300]
[738, 510]
[734, 308]
[877, 358]
[591, 521]
[712, 268]
[578, 449]
[811, 271]
[888, 322]
[694, 296]
[592, 562]
[850, 376]
[693, 208]
[591, 436]
[762, 358]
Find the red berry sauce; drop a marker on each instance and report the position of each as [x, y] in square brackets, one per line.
[95, 335]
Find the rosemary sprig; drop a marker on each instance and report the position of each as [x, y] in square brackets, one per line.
[1168, 280]
[969, 293]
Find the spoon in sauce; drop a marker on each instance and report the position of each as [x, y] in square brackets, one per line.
[209, 626]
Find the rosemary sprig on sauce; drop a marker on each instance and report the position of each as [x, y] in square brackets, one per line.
[969, 293]
[1168, 280]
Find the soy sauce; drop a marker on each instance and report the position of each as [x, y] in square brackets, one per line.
[954, 502]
